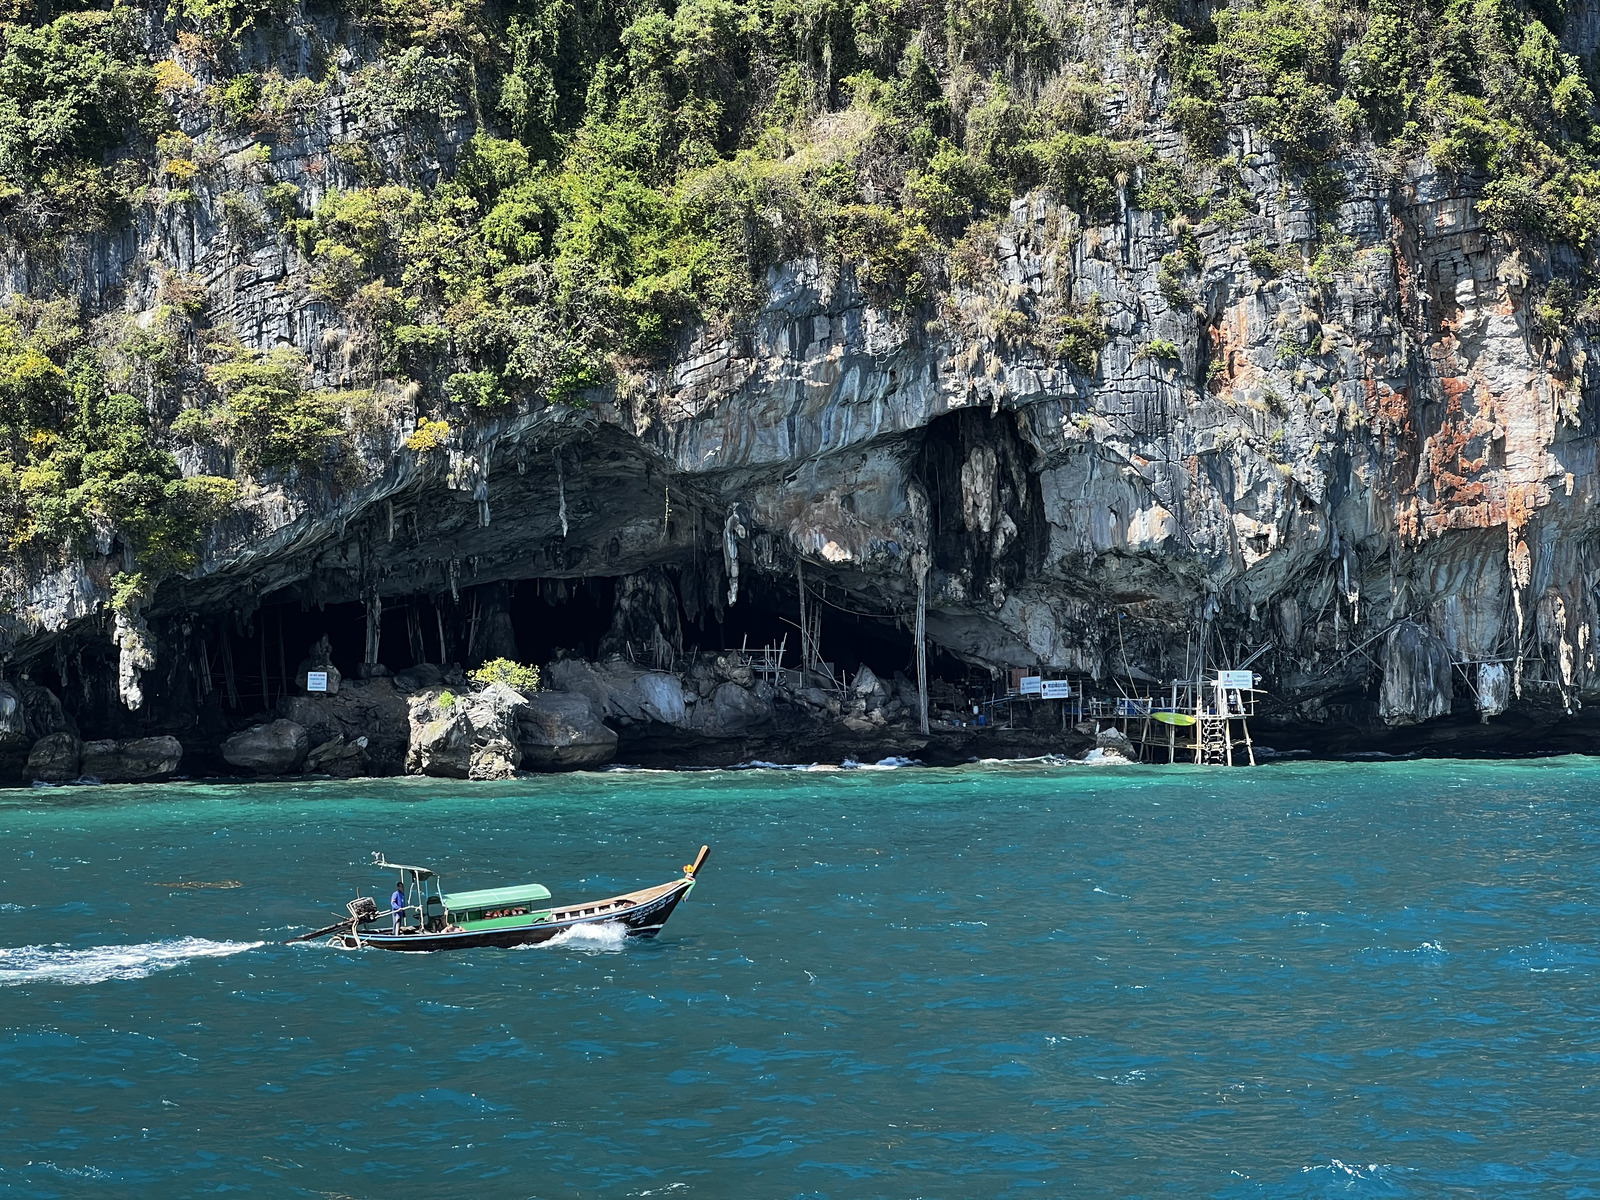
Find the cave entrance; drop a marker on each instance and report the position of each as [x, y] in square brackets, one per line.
[539, 620]
[985, 510]
[552, 618]
[853, 635]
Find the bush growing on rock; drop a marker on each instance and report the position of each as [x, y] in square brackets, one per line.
[502, 670]
[266, 415]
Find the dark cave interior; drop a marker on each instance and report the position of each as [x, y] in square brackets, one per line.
[226, 669]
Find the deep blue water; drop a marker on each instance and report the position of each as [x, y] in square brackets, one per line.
[1296, 981]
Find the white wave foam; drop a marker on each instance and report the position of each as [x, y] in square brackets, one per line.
[96, 964]
[1353, 1171]
[1099, 757]
[607, 937]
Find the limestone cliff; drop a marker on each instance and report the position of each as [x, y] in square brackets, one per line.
[1334, 435]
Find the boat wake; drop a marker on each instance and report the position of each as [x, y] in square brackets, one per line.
[608, 937]
[96, 964]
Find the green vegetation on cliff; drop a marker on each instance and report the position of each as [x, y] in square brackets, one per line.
[1483, 88]
[535, 198]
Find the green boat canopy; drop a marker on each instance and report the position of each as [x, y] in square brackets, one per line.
[504, 897]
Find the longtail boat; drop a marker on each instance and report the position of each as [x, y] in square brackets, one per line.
[434, 919]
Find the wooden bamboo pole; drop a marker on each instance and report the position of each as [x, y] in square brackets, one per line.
[805, 636]
[922, 647]
[227, 668]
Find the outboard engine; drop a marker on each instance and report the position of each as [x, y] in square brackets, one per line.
[364, 908]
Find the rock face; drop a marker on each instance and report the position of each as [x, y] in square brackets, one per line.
[1347, 425]
[494, 712]
[13, 722]
[619, 689]
[441, 737]
[559, 731]
[465, 737]
[732, 711]
[56, 758]
[1416, 676]
[132, 760]
[371, 709]
[276, 748]
[1114, 741]
[338, 758]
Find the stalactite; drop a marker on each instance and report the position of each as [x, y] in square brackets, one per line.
[135, 654]
[419, 652]
[207, 684]
[227, 668]
[732, 530]
[561, 494]
[374, 627]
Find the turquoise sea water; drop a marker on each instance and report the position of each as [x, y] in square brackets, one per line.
[1303, 980]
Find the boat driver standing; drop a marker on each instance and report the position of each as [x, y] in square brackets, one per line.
[397, 905]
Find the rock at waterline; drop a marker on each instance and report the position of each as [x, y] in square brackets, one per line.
[133, 760]
[560, 731]
[730, 712]
[371, 709]
[441, 738]
[13, 724]
[494, 713]
[1115, 741]
[337, 757]
[465, 737]
[56, 758]
[621, 690]
[497, 758]
[275, 748]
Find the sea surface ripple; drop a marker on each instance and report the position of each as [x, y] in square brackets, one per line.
[1304, 980]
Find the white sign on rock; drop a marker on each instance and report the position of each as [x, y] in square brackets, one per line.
[1030, 685]
[316, 681]
[1236, 679]
[1055, 689]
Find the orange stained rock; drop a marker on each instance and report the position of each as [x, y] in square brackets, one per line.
[1520, 561]
[1229, 346]
[1392, 409]
[1446, 464]
[1521, 500]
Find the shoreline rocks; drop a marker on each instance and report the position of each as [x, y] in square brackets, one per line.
[56, 758]
[560, 731]
[131, 761]
[275, 748]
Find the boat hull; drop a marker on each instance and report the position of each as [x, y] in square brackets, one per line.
[642, 918]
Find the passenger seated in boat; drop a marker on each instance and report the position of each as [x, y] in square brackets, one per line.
[397, 904]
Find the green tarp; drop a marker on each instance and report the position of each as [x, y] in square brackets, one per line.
[505, 897]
